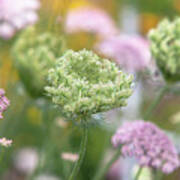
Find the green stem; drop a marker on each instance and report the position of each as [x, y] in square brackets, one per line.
[100, 174]
[155, 102]
[138, 173]
[158, 175]
[81, 154]
[46, 146]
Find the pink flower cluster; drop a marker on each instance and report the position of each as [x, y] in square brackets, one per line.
[16, 15]
[91, 20]
[131, 52]
[5, 142]
[148, 144]
[4, 102]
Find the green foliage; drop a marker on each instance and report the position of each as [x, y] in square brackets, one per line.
[82, 83]
[34, 53]
[165, 48]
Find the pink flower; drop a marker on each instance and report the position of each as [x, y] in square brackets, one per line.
[148, 144]
[70, 157]
[5, 142]
[4, 102]
[130, 52]
[90, 20]
[16, 15]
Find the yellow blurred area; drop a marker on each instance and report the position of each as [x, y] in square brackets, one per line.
[177, 4]
[34, 115]
[7, 72]
[148, 21]
[62, 6]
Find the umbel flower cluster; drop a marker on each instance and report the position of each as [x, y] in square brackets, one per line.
[4, 102]
[82, 83]
[165, 47]
[34, 54]
[16, 15]
[148, 144]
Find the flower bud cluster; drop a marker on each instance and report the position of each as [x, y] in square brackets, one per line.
[165, 47]
[148, 144]
[82, 83]
[4, 102]
[35, 53]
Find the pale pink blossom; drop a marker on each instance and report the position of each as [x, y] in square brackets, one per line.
[5, 142]
[69, 156]
[131, 52]
[90, 20]
[16, 15]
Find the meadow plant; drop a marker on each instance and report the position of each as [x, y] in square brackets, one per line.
[127, 51]
[92, 19]
[16, 15]
[165, 48]
[150, 145]
[34, 54]
[82, 84]
[4, 103]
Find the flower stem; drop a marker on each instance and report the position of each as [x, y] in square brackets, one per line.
[81, 154]
[138, 173]
[100, 174]
[158, 175]
[155, 102]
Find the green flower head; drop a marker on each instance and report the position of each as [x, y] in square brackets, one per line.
[165, 48]
[34, 54]
[82, 83]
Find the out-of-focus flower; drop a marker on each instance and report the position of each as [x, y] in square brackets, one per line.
[70, 157]
[26, 160]
[34, 54]
[130, 52]
[148, 144]
[91, 20]
[82, 84]
[4, 102]
[16, 15]
[165, 47]
[5, 142]
[47, 177]
[60, 121]
[114, 172]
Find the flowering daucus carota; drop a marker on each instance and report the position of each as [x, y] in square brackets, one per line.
[34, 54]
[165, 48]
[82, 83]
[90, 20]
[4, 102]
[131, 52]
[148, 144]
[16, 15]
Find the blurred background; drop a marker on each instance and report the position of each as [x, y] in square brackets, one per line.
[42, 139]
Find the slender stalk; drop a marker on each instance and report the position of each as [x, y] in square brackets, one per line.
[100, 174]
[81, 154]
[155, 102]
[158, 175]
[138, 173]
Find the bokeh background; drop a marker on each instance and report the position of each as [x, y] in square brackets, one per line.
[39, 133]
